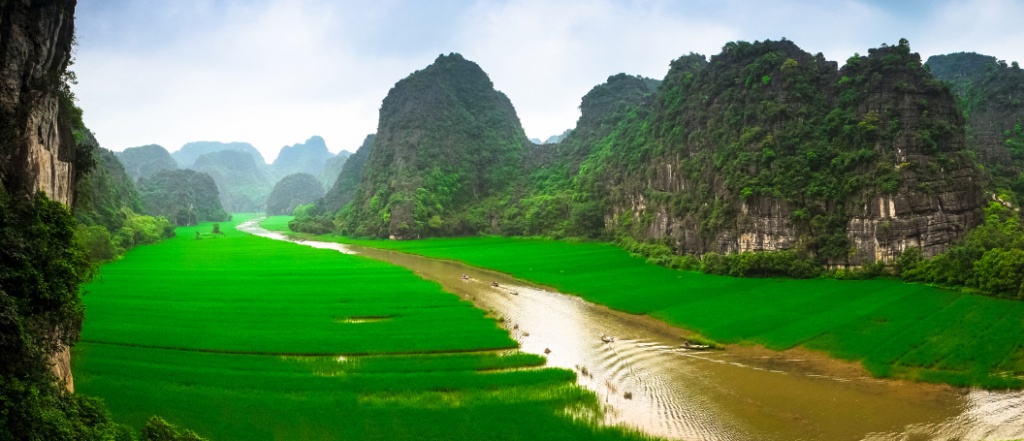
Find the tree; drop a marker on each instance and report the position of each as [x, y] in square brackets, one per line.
[157, 429]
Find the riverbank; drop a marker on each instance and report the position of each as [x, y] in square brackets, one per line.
[894, 329]
[240, 337]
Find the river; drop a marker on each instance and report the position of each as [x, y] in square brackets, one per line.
[647, 380]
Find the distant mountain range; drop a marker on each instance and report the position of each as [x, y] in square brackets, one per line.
[242, 176]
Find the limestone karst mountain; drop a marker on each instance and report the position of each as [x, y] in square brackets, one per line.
[187, 155]
[308, 157]
[293, 190]
[762, 147]
[145, 161]
[243, 183]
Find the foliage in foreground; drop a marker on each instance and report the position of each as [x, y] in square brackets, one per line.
[989, 260]
[41, 267]
[107, 207]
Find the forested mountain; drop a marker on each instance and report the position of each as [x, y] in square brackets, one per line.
[445, 140]
[347, 182]
[332, 168]
[108, 209]
[992, 98]
[242, 180]
[104, 190]
[309, 157]
[145, 161]
[769, 147]
[293, 190]
[762, 147]
[188, 154]
[186, 197]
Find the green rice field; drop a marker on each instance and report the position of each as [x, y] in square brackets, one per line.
[244, 338]
[895, 329]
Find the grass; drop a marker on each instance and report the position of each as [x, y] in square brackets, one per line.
[895, 329]
[239, 337]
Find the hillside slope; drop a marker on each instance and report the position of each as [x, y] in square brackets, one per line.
[445, 139]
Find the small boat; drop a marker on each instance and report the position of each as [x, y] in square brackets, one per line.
[464, 277]
[607, 338]
[688, 345]
[494, 284]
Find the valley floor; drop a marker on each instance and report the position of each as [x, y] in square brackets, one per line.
[894, 329]
[239, 337]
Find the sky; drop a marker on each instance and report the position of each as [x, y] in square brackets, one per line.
[276, 72]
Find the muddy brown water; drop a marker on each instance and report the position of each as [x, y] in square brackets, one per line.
[648, 381]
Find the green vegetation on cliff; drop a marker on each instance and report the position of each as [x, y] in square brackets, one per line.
[445, 141]
[762, 147]
[991, 96]
[108, 208]
[347, 181]
[42, 267]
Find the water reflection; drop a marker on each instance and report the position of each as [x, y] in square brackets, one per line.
[638, 368]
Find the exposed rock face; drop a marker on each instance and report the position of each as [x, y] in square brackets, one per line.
[37, 149]
[940, 190]
[35, 49]
[769, 148]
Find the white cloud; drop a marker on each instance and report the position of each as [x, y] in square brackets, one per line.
[274, 72]
[546, 55]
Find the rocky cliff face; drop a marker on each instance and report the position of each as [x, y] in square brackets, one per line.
[769, 147]
[35, 49]
[38, 150]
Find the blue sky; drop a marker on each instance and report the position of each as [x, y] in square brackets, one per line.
[275, 72]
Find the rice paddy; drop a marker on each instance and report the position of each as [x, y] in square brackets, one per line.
[894, 329]
[239, 337]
